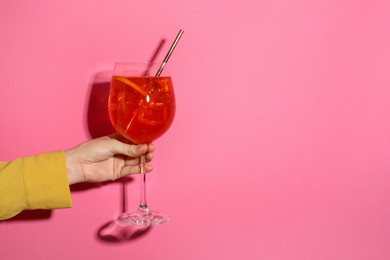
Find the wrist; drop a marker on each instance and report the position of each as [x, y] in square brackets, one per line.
[73, 167]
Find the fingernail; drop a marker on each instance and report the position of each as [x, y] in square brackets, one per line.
[142, 147]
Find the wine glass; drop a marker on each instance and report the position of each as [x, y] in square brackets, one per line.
[141, 108]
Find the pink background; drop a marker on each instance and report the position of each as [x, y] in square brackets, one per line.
[280, 145]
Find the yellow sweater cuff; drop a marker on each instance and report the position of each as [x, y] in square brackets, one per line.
[46, 181]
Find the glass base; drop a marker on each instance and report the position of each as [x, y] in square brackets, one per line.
[143, 217]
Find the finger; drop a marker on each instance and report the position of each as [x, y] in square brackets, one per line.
[129, 161]
[151, 147]
[137, 150]
[135, 169]
[132, 161]
[118, 147]
[148, 168]
[149, 157]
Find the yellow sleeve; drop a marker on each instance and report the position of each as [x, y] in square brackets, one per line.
[35, 182]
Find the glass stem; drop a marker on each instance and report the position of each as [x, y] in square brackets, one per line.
[143, 206]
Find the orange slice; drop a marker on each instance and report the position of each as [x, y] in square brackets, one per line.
[131, 84]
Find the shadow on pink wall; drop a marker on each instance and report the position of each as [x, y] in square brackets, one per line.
[114, 232]
[98, 120]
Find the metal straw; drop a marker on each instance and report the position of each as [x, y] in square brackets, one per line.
[153, 58]
[169, 53]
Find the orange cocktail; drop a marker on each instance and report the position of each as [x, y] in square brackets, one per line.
[141, 108]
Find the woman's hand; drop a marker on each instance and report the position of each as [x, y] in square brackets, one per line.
[106, 158]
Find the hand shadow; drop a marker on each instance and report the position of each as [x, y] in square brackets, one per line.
[31, 215]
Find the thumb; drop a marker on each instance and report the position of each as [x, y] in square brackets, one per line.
[130, 150]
